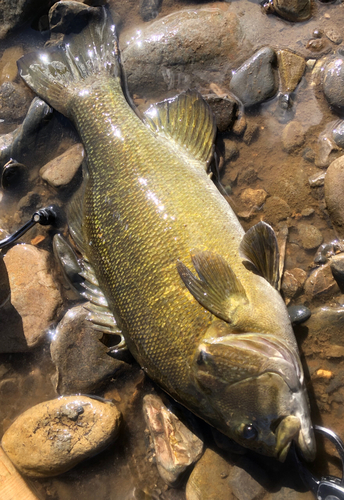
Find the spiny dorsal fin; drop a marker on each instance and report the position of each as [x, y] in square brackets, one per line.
[218, 289]
[259, 247]
[188, 120]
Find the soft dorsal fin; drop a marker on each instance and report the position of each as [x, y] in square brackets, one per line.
[188, 120]
[218, 289]
[259, 247]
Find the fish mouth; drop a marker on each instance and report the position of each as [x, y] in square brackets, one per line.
[291, 429]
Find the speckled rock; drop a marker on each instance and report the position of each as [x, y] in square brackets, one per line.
[292, 282]
[81, 360]
[176, 447]
[54, 436]
[293, 136]
[184, 54]
[310, 236]
[321, 282]
[255, 80]
[334, 35]
[333, 84]
[292, 10]
[35, 297]
[14, 101]
[275, 210]
[61, 170]
[334, 182]
[253, 197]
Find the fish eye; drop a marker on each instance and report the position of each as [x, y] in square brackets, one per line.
[249, 432]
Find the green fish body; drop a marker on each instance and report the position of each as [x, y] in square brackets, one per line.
[169, 254]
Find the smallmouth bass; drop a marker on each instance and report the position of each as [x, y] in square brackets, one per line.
[194, 296]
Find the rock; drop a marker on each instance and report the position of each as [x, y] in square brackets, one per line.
[61, 170]
[251, 133]
[64, 15]
[54, 436]
[247, 176]
[338, 133]
[334, 182]
[333, 35]
[14, 14]
[327, 250]
[149, 9]
[293, 136]
[317, 180]
[299, 314]
[254, 197]
[289, 494]
[226, 480]
[231, 150]
[326, 324]
[8, 63]
[310, 236]
[307, 212]
[333, 84]
[308, 154]
[81, 360]
[255, 81]
[224, 109]
[276, 210]
[292, 10]
[14, 101]
[35, 297]
[317, 45]
[292, 282]
[176, 447]
[321, 282]
[29, 203]
[183, 54]
[291, 67]
[337, 268]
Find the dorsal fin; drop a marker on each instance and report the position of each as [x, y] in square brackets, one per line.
[218, 289]
[186, 119]
[259, 247]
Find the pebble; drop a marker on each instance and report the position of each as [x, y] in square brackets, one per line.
[224, 109]
[316, 44]
[61, 170]
[292, 282]
[310, 236]
[337, 268]
[251, 133]
[334, 36]
[35, 297]
[176, 447]
[338, 133]
[14, 101]
[291, 67]
[321, 282]
[253, 197]
[333, 84]
[52, 437]
[317, 180]
[81, 359]
[334, 182]
[299, 314]
[293, 10]
[231, 149]
[255, 80]
[293, 136]
[62, 15]
[275, 210]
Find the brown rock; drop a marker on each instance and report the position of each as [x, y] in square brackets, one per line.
[293, 136]
[254, 197]
[176, 447]
[54, 436]
[61, 170]
[276, 210]
[310, 236]
[321, 282]
[14, 101]
[224, 109]
[8, 64]
[34, 294]
[334, 182]
[14, 14]
[292, 282]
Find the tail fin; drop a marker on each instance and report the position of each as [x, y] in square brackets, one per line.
[56, 74]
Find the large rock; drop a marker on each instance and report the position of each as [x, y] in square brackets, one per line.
[255, 80]
[333, 84]
[54, 436]
[33, 298]
[14, 101]
[334, 182]
[61, 170]
[177, 52]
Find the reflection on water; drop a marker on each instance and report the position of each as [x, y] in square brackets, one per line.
[267, 158]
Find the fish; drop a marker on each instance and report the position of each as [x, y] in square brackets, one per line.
[166, 263]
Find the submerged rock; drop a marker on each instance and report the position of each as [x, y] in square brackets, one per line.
[255, 80]
[333, 84]
[149, 9]
[321, 282]
[224, 109]
[292, 10]
[338, 133]
[14, 101]
[293, 136]
[54, 436]
[81, 360]
[61, 170]
[310, 236]
[8, 63]
[14, 14]
[176, 447]
[292, 282]
[299, 314]
[337, 268]
[334, 182]
[291, 67]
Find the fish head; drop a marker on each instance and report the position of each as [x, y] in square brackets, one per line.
[255, 387]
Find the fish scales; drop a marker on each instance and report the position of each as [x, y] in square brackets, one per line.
[150, 214]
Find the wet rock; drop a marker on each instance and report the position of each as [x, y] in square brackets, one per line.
[308, 154]
[317, 180]
[299, 314]
[183, 54]
[286, 493]
[54, 436]
[327, 250]
[255, 81]
[317, 45]
[176, 447]
[61, 170]
[63, 15]
[292, 282]
[310, 236]
[8, 63]
[251, 133]
[326, 324]
[29, 203]
[275, 210]
[14, 101]
[149, 9]
[338, 133]
[321, 282]
[226, 480]
[224, 109]
[334, 182]
[35, 297]
[14, 14]
[14, 175]
[254, 197]
[333, 35]
[293, 136]
[247, 176]
[231, 149]
[239, 126]
[292, 10]
[81, 360]
[333, 84]
[337, 268]
[291, 67]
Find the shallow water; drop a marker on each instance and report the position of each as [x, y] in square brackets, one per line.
[126, 471]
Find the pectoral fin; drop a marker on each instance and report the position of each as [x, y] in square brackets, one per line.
[259, 247]
[218, 288]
